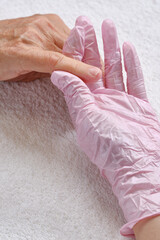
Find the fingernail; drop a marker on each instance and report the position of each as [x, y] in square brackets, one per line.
[95, 72]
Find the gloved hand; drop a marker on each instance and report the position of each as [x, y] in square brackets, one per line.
[118, 130]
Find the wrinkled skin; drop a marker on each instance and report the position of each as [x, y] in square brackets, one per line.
[31, 48]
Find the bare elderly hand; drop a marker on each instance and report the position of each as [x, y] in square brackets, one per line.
[31, 48]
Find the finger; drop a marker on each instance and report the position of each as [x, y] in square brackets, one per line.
[135, 80]
[112, 56]
[91, 53]
[77, 94]
[48, 61]
[74, 45]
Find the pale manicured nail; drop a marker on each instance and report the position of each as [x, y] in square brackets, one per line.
[95, 72]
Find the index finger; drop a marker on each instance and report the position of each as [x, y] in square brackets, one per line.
[39, 60]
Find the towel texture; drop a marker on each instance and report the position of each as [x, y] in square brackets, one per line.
[48, 188]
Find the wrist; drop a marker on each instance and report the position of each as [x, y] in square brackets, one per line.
[148, 228]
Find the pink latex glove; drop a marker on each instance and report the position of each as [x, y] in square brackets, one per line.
[118, 130]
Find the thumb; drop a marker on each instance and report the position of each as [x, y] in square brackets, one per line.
[77, 94]
[48, 61]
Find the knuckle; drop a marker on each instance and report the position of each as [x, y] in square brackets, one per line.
[27, 29]
[54, 16]
[27, 36]
[75, 65]
[59, 59]
[55, 61]
[41, 19]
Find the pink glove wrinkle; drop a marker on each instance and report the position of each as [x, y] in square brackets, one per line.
[112, 55]
[82, 45]
[117, 130]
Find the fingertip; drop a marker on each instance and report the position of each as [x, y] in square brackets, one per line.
[82, 20]
[107, 22]
[130, 54]
[94, 74]
[55, 76]
[128, 47]
[109, 35]
[90, 74]
[106, 25]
